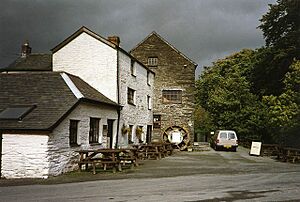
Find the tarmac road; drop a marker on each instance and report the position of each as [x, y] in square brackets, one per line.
[185, 176]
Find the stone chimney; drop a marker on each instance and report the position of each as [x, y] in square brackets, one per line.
[26, 50]
[114, 39]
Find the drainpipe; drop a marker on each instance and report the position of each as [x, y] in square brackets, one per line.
[0, 154]
[118, 94]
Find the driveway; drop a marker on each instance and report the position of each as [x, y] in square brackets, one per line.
[185, 176]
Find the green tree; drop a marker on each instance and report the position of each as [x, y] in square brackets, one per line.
[223, 90]
[284, 110]
[281, 29]
[281, 25]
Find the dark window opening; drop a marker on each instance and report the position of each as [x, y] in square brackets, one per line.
[156, 121]
[94, 130]
[130, 134]
[132, 67]
[73, 132]
[130, 96]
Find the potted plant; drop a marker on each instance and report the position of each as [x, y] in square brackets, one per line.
[125, 129]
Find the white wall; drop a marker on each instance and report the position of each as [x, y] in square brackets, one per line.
[64, 158]
[138, 115]
[38, 156]
[91, 60]
[24, 156]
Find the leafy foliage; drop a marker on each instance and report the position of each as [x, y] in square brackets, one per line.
[284, 110]
[281, 25]
[257, 92]
[223, 90]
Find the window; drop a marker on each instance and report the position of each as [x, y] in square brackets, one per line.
[223, 135]
[149, 102]
[156, 121]
[231, 136]
[148, 78]
[16, 112]
[73, 129]
[172, 96]
[152, 61]
[132, 68]
[94, 130]
[131, 96]
[130, 134]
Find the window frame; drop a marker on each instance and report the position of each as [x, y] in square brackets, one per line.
[169, 95]
[132, 68]
[152, 61]
[149, 102]
[130, 135]
[73, 132]
[131, 96]
[94, 130]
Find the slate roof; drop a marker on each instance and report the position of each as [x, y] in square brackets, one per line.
[49, 92]
[32, 62]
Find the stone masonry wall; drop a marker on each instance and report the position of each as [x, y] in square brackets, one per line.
[138, 114]
[174, 72]
[62, 157]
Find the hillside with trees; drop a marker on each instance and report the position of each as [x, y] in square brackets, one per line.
[257, 92]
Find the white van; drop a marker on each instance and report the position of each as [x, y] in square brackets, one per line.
[225, 139]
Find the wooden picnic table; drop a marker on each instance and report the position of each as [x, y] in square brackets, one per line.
[107, 157]
[154, 150]
[149, 151]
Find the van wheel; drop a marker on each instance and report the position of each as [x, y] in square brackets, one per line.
[216, 148]
[234, 149]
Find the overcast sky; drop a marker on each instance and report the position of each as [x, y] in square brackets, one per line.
[204, 30]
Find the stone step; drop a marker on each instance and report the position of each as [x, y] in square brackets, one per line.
[199, 146]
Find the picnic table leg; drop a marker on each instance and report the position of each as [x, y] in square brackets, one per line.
[79, 165]
[94, 168]
[119, 167]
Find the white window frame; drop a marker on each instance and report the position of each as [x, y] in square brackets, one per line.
[152, 61]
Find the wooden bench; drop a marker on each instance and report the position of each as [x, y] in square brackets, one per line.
[103, 162]
[129, 156]
[270, 150]
[292, 155]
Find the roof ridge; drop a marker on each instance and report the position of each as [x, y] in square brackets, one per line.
[77, 33]
[165, 41]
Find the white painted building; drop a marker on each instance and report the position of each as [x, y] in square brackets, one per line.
[46, 117]
[116, 74]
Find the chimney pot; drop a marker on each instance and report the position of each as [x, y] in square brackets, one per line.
[26, 50]
[114, 39]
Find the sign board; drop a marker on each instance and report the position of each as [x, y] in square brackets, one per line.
[176, 137]
[255, 148]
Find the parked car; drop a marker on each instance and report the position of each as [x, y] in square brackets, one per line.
[224, 139]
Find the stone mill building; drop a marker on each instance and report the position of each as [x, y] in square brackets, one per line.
[174, 87]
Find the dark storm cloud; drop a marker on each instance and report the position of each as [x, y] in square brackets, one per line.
[204, 30]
